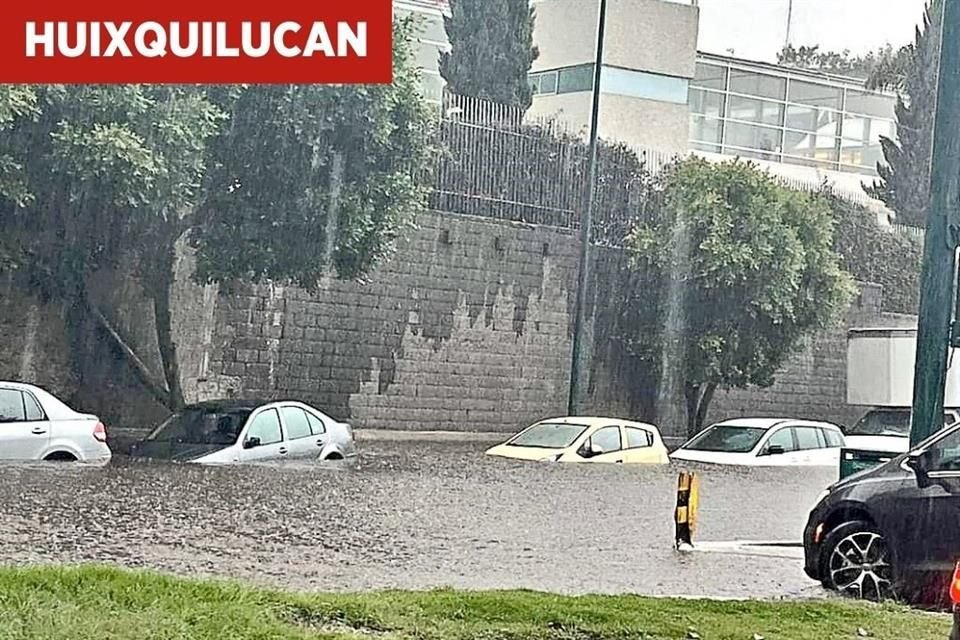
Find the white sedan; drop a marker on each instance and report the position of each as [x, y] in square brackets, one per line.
[34, 425]
[765, 442]
[244, 430]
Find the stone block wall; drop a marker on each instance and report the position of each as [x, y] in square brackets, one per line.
[467, 327]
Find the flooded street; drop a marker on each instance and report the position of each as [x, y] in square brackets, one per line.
[413, 514]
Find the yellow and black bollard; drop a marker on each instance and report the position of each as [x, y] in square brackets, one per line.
[688, 498]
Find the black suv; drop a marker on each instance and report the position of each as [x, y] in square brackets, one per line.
[893, 529]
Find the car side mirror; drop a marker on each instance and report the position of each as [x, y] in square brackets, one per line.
[918, 463]
[590, 449]
[774, 450]
[251, 442]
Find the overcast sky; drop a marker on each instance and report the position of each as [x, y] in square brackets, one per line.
[756, 29]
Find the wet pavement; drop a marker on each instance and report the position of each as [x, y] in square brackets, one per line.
[415, 514]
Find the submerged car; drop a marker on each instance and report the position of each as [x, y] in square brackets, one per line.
[35, 425]
[765, 442]
[888, 429]
[575, 439]
[892, 529]
[238, 431]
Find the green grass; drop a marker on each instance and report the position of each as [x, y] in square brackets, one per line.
[95, 603]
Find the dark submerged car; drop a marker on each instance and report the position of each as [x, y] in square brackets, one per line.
[893, 530]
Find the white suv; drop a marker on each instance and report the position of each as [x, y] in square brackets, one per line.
[34, 425]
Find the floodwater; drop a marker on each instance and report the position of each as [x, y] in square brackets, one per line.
[414, 514]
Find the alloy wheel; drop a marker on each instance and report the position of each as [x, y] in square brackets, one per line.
[859, 566]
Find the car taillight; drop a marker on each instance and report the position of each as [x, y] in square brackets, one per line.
[955, 586]
[100, 432]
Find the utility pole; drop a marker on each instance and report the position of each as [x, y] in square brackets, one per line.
[586, 228]
[937, 286]
[789, 23]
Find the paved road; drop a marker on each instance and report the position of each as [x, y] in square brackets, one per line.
[413, 514]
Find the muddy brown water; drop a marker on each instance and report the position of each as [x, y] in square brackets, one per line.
[413, 514]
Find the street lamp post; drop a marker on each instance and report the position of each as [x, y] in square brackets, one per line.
[937, 286]
[586, 227]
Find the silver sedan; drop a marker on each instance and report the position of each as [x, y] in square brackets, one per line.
[35, 425]
[239, 431]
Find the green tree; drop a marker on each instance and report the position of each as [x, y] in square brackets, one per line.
[269, 182]
[492, 50]
[904, 183]
[879, 69]
[729, 276]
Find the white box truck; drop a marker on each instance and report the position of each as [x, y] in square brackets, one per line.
[880, 365]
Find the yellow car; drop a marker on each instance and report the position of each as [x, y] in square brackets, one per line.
[586, 440]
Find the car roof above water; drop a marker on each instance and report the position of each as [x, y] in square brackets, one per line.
[229, 403]
[591, 421]
[769, 423]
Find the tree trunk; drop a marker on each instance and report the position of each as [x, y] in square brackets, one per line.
[698, 397]
[161, 280]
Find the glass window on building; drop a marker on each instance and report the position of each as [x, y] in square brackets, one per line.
[747, 136]
[432, 84]
[810, 145]
[548, 83]
[816, 94]
[757, 84]
[710, 76]
[753, 110]
[812, 119]
[705, 129]
[429, 26]
[857, 157]
[428, 57]
[870, 104]
[708, 103]
[575, 79]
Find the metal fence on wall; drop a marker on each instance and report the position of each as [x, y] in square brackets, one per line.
[495, 163]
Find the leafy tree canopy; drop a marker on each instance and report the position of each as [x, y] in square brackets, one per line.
[757, 270]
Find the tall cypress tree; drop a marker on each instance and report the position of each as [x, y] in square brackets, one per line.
[904, 183]
[492, 50]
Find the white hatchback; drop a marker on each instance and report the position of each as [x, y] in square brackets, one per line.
[765, 442]
[34, 425]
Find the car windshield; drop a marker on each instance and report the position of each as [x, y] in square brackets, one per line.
[549, 435]
[213, 426]
[727, 438]
[882, 423]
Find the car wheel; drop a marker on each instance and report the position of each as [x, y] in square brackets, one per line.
[855, 560]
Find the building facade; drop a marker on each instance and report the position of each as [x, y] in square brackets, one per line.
[431, 41]
[790, 116]
[658, 92]
[645, 77]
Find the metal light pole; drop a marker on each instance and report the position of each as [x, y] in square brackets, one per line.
[943, 224]
[586, 227]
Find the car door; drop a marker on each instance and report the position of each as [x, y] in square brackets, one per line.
[24, 430]
[609, 441]
[782, 437]
[923, 522]
[263, 437]
[297, 433]
[811, 446]
[638, 446]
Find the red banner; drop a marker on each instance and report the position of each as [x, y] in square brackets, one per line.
[196, 41]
